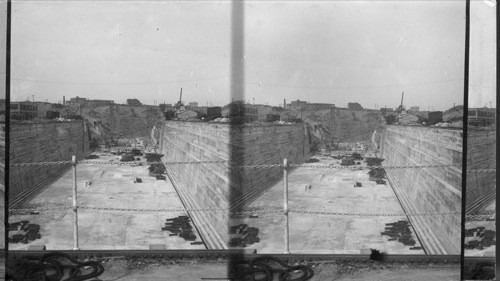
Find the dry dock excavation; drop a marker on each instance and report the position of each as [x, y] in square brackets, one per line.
[223, 188]
[106, 186]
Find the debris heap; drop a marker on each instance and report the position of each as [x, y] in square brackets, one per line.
[136, 152]
[374, 161]
[377, 174]
[483, 238]
[180, 226]
[357, 156]
[127, 158]
[92, 156]
[153, 157]
[349, 161]
[156, 170]
[400, 231]
[31, 232]
[246, 235]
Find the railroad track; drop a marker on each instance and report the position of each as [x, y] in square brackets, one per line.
[250, 254]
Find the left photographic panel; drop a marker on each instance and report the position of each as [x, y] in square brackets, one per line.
[3, 88]
[95, 88]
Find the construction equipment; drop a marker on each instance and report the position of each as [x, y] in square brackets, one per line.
[401, 108]
[179, 105]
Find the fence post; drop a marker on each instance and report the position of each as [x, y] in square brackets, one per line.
[75, 208]
[285, 205]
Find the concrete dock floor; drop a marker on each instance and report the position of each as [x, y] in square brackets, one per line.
[331, 190]
[111, 186]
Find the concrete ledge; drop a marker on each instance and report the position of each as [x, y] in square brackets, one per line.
[157, 247]
[36, 248]
[365, 251]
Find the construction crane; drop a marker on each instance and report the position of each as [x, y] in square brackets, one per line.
[401, 108]
[179, 104]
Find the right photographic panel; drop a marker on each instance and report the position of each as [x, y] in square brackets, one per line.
[480, 218]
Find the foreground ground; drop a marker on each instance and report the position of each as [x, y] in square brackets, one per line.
[331, 190]
[108, 186]
[197, 270]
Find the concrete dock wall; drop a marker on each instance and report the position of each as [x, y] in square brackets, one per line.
[200, 185]
[264, 145]
[219, 185]
[427, 190]
[42, 141]
[481, 154]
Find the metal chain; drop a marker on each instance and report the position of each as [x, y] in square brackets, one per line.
[37, 210]
[349, 167]
[148, 163]
[262, 166]
[110, 163]
[238, 212]
[40, 163]
[373, 215]
[483, 171]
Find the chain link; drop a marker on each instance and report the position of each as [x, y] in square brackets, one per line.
[148, 163]
[349, 167]
[374, 215]
[494, 170]
[111, 163]
[37, 210]
[249, 212]
[40, 163]
[262, 166]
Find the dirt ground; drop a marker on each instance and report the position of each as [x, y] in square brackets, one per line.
[123, 270]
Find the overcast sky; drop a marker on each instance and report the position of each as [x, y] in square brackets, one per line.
[325, 51]
[3, 39]
[482, 58]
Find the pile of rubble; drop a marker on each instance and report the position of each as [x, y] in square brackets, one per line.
[400, 231]
[357, 156]
[136, 152]
[92, 156]
[31, 232]
[180, 226]
[127, 158]
[153, 157]
[246, 235]
[376, 174]
[348, 161]
[374, 161]
[157, 170]
[484, 238]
